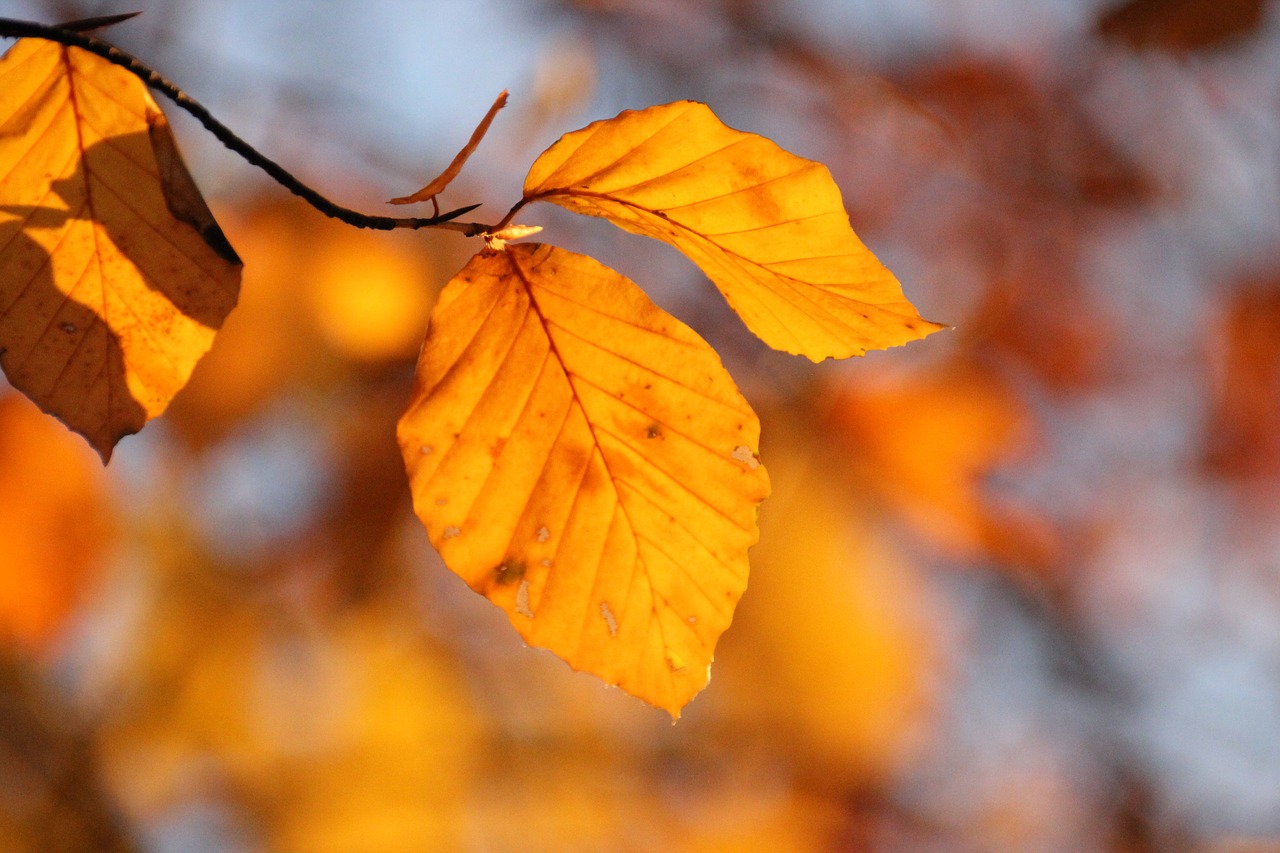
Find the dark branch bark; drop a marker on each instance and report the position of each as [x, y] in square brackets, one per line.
[71, 38]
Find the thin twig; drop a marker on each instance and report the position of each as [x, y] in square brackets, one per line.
[441, 181]
[28, 29]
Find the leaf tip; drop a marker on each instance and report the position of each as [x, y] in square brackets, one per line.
[924, 328]
[105, 444]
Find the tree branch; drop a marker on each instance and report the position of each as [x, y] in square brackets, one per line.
[28, 29]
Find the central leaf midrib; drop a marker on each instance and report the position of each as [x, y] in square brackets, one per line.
[599, 448]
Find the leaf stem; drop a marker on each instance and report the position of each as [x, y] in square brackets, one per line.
[11, 28]
[511, 214]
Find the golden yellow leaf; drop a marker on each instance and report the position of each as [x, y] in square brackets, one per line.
[113, 274]
[582, 458]
[768, 227]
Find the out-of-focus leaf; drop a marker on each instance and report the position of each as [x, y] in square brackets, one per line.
[1042, 298]
[113, 275]
[768, 227]
[1244, 426]
[564, 79]
[369, 295]
[558, 799]
[927, 441]
[316, 289]
[336, 732]
[406, 743]
[582, 458]
[1181, 26]
[831, 652]
[1034, 141]
[55, 525]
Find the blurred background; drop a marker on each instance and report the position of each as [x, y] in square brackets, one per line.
[1018, 587]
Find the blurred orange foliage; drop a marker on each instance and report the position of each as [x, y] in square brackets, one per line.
[926, 441]
[56, 523]
[319, 295]
[831, 652]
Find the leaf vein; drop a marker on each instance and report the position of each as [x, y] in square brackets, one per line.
[675, 480]
[675, 380]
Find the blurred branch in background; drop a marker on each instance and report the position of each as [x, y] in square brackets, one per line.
[51, 794]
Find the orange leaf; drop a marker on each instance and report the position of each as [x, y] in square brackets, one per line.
[55, 523]
[113, 274]
[582, 458]
[768, 227]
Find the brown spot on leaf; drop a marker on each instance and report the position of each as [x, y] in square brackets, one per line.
[509, 571]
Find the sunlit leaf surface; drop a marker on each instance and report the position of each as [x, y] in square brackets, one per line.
[768, 227]
[582, 459]
[113, 275]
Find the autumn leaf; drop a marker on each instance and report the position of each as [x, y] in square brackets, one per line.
[582, 459]
[831, 653]
[1243, 418]
[928, 443]
[1181, 26]
[768, 227]
[113, 274]
[56, 524]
